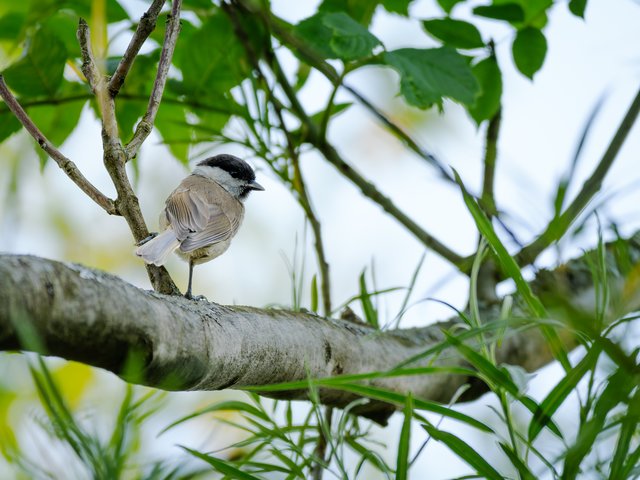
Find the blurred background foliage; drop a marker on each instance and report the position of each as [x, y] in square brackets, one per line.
[402, 89]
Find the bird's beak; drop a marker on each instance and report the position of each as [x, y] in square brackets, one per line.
[253, 185]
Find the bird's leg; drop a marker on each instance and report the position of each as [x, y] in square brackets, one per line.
[188, 292]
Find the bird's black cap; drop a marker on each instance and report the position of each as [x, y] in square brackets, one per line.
[234, 166]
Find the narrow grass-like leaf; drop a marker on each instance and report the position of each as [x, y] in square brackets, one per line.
[370, 313]
[498, 378]
[464, 451]
[221, 466]
[509, 266]
[616, 391]
[314, 293]
[559, 393]
[357, 377]
[523, 471]
[400, 399]
[235, 405]
[404, 444]
[628, 428]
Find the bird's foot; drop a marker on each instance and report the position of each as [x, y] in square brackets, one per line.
[197, 298]
[151, 236]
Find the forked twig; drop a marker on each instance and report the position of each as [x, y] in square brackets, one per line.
[69, 168]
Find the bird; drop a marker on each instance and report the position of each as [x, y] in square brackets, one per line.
[203, 214]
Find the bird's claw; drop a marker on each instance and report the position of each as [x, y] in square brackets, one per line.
[197, 298]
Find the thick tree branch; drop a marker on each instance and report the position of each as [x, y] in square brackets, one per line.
[146, 124]
[186, 345]
[63, 162]
[146, 25]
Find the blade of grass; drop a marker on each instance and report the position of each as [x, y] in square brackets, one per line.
[464, 451]
[370, 313]
[404, 444]
[498, 378]
[518, 464]
[234, 405]
[561, 391]
[628, 428]
[220, 465]
[509, 266]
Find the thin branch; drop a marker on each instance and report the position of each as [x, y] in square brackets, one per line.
[63, 162]
[559, 225]
[146, 124]
[146, 25]
[115, 158]
[298, 184]
[99, 86]
[487, 199]
[282, 30]
[366, 187]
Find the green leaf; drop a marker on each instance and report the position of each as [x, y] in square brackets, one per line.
[360, 10]
[400, 7]
[404, 444]
[63, 25]
[529, 50]
[447, 5]
[561, 391]
[9, 124]
[39, 72]
[577, 7]
[171, 122]
[510, 12]
[221, 466]
[56, 121]
[428, 75]
[455, 33]
[336, 35]
[464, 452]
[11, 26]
[489, 77]
[208, 70]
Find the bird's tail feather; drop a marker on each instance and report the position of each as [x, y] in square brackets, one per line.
[158, 249]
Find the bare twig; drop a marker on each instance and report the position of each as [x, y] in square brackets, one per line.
[487, 199]
[146, 25]
[298, 184]
[281, 29]
[366, 187]
[99, 85]
[63, 162]
[146, 124]
[559, 225]
[114, 158]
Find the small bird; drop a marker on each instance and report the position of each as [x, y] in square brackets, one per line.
[203, 213]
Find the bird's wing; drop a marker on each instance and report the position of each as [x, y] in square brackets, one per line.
[195, 214]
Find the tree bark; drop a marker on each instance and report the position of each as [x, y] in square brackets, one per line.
[169, 342]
